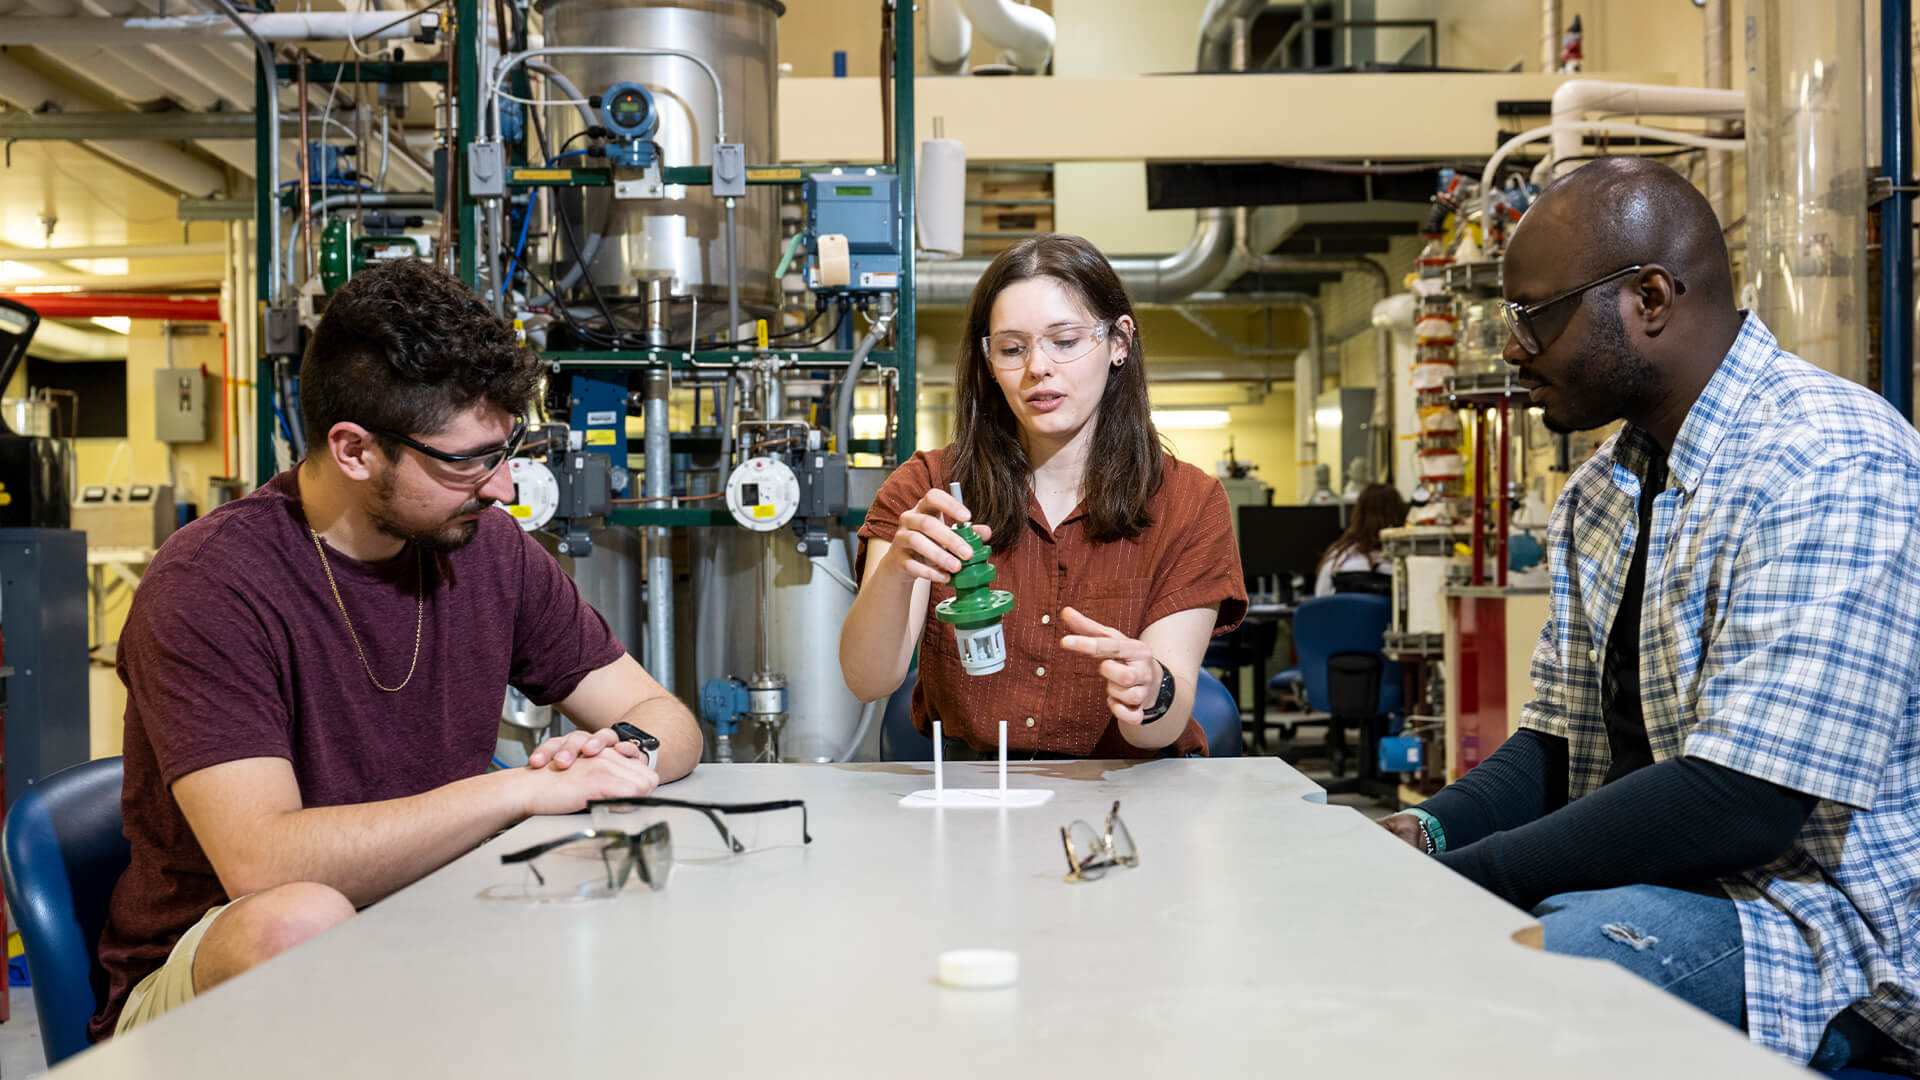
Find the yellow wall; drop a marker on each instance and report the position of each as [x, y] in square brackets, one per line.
[144, 459]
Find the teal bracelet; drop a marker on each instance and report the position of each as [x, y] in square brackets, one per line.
[1432, 825]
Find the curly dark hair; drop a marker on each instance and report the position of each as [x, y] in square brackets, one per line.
[404, 346]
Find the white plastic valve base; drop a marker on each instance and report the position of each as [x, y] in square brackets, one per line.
[979, 969]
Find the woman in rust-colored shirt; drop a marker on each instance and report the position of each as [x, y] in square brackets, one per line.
[1120, 558]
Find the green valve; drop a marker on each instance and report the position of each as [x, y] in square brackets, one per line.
[976, 610]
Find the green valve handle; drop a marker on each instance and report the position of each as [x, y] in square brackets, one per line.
[976, 610]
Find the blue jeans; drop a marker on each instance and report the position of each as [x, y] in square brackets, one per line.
[1688, 944]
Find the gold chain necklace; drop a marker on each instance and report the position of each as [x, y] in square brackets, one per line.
[419, 618]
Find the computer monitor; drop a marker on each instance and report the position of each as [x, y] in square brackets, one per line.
[1281, 541]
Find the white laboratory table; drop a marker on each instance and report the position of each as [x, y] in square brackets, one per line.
[1263, 933]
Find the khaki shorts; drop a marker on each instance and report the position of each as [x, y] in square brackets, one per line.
[171, 985]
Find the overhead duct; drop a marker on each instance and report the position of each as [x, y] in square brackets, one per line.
[949, 37]
[1216, 31]
[1149, 279]
[1024, 33]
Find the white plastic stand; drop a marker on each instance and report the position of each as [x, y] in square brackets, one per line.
[939, 795]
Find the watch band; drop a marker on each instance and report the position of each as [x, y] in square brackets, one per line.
[1430, 828]
[648, 745]
[1163, 701]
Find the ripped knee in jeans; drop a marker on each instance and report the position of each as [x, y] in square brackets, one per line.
[1628, 936]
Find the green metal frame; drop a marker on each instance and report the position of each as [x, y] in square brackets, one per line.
[267, 203]
[467, 57]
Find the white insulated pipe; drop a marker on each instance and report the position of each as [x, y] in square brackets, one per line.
[168, 29]
[1577, 97]
[1613, 127]
[949, 37]
[1024, 33]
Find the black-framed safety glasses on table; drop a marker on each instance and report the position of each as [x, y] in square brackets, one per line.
[1090, 853]
[730, 820]
[1522, 319]
[600, 861]
[596, 863]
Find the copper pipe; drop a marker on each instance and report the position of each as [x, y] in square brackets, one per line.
[1500, 496]
[306, 168]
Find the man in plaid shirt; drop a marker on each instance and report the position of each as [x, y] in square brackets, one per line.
[1717, 785]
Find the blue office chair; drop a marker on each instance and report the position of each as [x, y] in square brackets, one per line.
[61, 852]
[1213, 705]
[899, 740]
[1339, 639]
[1219, 714]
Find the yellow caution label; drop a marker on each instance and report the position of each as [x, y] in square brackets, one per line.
[766, 173]
[760, 333]
[601, 436]
[520, 511]
[765, 510]
[562, 175]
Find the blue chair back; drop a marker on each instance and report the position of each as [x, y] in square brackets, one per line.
[62, 849]
[1218, 712]
[1343, 624]
[899, 741]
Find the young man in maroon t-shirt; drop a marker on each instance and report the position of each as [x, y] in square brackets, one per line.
[314, 673]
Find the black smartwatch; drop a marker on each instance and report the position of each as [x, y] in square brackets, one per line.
[1162, 703]
[648, 745]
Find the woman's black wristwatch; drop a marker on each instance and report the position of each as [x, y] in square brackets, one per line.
[1162, 703]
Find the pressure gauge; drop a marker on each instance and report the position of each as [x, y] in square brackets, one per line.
[763, 494]
[536, 494]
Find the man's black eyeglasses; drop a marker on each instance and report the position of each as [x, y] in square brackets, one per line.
[480, 462]
[712, 811]
[1520, 317]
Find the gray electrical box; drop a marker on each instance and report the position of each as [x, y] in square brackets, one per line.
[43, 618]
[179, 405]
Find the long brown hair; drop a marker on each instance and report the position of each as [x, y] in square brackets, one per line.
[1379, 507]
[988, 458]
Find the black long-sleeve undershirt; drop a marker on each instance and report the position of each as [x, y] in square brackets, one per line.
[1680, 822]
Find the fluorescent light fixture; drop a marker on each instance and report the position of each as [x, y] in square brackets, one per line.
[869, 426]
[1190, 419]
[45, 288]
[119, 324]
[11, 269]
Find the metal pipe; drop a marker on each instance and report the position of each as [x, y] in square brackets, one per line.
[1718, 70]
[1500, 508]
[421, 200]
[268, 75]
[656, 389]
[111, 251]
[1896, 212]
[131, 306]
[1212, 52]
[200, 27]
[511, 61]
[733, 278]
[1149, 279]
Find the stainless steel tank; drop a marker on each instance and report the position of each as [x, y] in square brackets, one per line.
[682, 238]
[807, 608]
